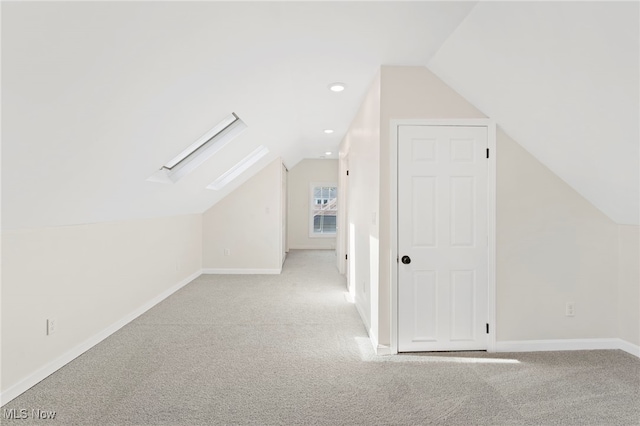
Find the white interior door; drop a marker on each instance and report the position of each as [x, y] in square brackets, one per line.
[442, 229]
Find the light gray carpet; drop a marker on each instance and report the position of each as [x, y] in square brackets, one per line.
[291, 350]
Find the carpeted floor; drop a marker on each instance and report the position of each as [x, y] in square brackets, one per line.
[290, 350]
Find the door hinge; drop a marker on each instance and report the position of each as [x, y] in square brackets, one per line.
[487, 328]
[347, 172]
[487, 152]
[346, 257]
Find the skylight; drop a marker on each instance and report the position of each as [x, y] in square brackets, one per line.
[239, 168]
[199, 151]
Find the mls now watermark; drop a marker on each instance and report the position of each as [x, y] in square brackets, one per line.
[23, 414]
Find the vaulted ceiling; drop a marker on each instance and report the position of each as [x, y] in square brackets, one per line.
[96, 96]
[562, 79]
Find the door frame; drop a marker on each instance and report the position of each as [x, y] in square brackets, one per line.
[342, 236]
[491, 217]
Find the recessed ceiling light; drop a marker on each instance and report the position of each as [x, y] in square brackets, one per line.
[337, 87]
[328, 131]
[327, 153]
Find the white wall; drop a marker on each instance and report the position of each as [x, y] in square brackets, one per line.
[300, 178]
[362, 144]
[88, 277]
[629, 284]
[553, 246]
[248, 222]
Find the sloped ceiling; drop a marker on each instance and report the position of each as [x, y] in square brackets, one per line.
[562, 79]
[96, 96]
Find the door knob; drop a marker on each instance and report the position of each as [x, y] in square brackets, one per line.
[406, 260]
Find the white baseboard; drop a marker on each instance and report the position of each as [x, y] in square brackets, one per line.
[377, 347]
[566, 345]
[312, 248]
[349, 298]
[69, 356]
[629, 348]
[241, 271]
[383, 350]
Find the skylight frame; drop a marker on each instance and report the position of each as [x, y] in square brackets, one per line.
[199, 151]
[239, 168]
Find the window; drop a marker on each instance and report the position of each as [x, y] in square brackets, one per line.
[323, 210]
[239, 168]
[199, 151]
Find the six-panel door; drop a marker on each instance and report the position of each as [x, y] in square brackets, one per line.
[442, 227]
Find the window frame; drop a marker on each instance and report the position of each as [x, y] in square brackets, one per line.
[311, 204]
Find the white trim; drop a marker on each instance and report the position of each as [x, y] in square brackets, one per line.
[239, 168]
[393, 198]
[629, 348]
[241, 271]
[566, 345]
[491, 231]
[341, 219]
[377, 347]
[475, 122]
[383, 350]
[491, 225]
[199, 151]
[53, 366]
[373, 339]
[303, 247]
[327, 235]
[312, 186]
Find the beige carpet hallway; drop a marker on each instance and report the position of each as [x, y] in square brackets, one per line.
[290, 350]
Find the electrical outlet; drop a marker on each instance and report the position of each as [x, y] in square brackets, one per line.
[227, 252]
[570, 309]
[52, 325]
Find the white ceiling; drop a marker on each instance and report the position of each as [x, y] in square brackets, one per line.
[561, 78]
[96, 96]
